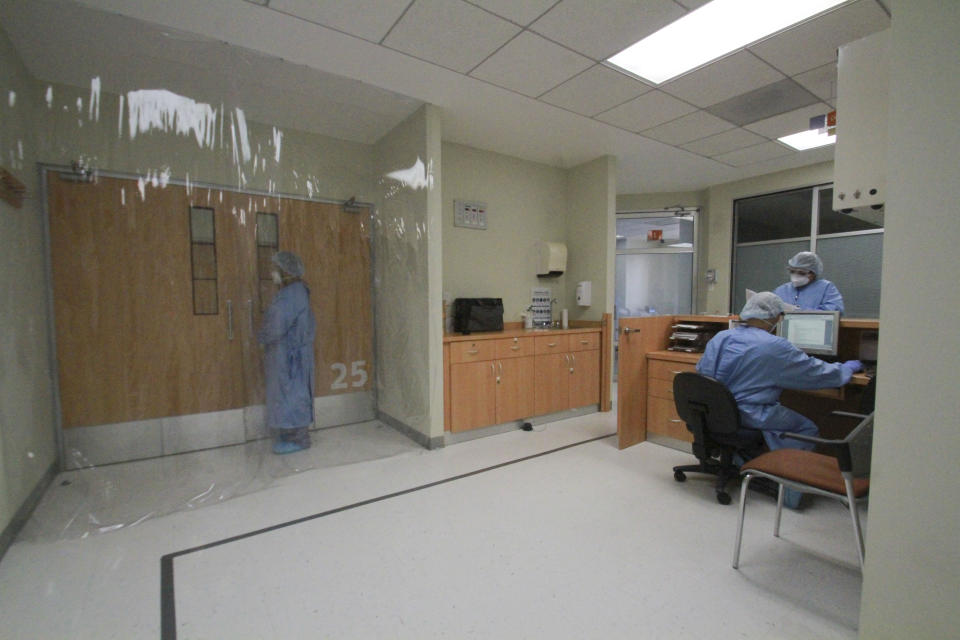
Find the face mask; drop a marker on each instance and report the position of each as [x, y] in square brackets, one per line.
[276, 277]
[772, 325]
[798, 280]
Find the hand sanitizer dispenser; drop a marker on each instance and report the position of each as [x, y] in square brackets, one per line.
[583, 293]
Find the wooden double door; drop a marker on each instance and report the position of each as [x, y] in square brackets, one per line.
[159, 290]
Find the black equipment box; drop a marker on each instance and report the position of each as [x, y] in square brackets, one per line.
[477, 314]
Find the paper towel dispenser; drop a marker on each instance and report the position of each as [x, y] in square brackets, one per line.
[551, 259]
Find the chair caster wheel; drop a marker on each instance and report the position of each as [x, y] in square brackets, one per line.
[679, 476]
[723, 497]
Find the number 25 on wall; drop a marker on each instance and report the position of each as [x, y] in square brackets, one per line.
[357, 372]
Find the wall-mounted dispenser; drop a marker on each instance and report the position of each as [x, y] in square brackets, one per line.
[583, 293]
[551, 259]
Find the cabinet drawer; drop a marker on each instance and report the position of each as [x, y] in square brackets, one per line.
[666, 369]
[584, 341]
[662, 419]
[472, 351]
[551, 344]
[660, 388]
[514, 347]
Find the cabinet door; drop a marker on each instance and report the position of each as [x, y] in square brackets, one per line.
[552, 379]
[585, 379]
[515, 389]
[473, 395]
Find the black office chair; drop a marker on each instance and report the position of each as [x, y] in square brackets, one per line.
[711, 414]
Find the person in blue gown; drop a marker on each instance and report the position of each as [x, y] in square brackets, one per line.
[287, 335]
[757, 366]
[807, 289]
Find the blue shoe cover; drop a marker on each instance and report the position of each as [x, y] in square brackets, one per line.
[281, 447]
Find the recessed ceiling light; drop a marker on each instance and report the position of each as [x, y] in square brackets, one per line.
[808, 139]
[712, 31]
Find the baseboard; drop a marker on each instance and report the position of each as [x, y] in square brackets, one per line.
[673, 443]
[421, 439]
[23, 514]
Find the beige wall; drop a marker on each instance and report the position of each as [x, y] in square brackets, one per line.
[628, 202]
[526, 202]
[912, 573]
[591, 204]
[27, 431]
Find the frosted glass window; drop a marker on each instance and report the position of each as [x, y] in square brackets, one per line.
[203, 261]
[762, 267]
[654, 283]
[201, 225]
[853, 264]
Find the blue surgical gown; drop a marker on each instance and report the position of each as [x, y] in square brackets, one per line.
[819, 295]
[287, 335]
[757, 366]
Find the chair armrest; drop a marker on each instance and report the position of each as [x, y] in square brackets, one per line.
[849, 414]
[813, 439]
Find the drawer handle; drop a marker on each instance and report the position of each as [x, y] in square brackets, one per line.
[676, 421]
[551, 344]
[473, 352]
[514, 348]
[584, 342]
[676, 372]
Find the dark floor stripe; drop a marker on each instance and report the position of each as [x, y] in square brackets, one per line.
[168, 613]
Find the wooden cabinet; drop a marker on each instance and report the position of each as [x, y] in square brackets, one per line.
[662, 418]
[567, 372]
[491, 381]
[497, 380]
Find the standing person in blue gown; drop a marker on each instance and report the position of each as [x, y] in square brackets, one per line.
[287, 335]
[757, 366]
[807, 289]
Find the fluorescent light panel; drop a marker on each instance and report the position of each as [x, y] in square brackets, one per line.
[808, 139]
[712, 31]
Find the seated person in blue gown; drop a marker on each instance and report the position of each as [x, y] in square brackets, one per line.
[806, 289]
[757, 366]
[287, 335]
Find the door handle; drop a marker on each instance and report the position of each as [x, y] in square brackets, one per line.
[230, 320]
[574, 365]
[626, 330]
[250, 311]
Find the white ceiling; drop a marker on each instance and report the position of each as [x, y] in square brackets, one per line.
[519, 77]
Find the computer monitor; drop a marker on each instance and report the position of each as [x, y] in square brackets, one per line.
[814, 332]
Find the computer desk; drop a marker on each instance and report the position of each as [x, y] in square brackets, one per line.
[645, 405]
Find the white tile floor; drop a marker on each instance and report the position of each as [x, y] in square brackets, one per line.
[582, 542]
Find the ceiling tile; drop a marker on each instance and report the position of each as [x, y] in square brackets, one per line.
[595, 90]
[789, 123]
[814, 43]
[821, 82]
[601, 31]
[531, 65]
[367, 19]
[723, 79]
[765, 102]
[520, 11]
[648, 110]
[690, 127]
[724, 142]
[753, 155]
[454, 35]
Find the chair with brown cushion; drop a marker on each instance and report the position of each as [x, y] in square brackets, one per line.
[844, 475]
